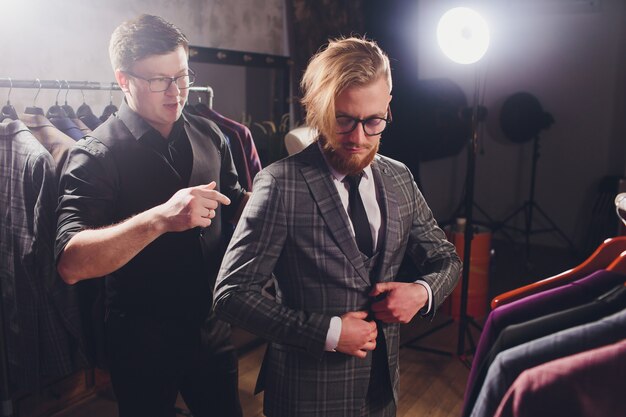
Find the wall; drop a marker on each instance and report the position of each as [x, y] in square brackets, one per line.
[573, 59]
[69, 39]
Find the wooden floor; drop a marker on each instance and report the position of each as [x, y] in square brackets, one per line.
[430, 384]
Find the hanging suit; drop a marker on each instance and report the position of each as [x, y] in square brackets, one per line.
[509, 364]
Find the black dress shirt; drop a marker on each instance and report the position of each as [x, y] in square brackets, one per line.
[126, 167]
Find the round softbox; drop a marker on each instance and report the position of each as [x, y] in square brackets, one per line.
[428, 122]
[522, 117]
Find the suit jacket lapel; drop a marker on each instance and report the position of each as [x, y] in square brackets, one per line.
[389, 213]
[318, 178]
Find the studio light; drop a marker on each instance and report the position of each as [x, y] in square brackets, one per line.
[463, 35]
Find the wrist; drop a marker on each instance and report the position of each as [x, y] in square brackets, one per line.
[154, 221]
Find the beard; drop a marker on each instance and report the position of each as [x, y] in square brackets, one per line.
[347, 165]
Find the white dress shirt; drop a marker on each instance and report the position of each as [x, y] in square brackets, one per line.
[367, 188]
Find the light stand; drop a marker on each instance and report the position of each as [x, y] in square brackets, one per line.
[521, 120]
[530, 205]
[464, 319]
[463, 35]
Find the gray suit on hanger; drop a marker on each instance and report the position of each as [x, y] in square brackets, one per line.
[510, 363]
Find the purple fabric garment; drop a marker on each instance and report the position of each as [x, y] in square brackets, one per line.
[582, 385]
[533, 306]
[243, 134]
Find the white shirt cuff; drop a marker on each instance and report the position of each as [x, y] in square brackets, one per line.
[430, 296]
[332, 337]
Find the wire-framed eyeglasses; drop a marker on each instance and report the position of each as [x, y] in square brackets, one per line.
[372, 126]
[160, 84]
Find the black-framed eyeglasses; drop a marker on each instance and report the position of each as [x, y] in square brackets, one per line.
[372, 126]
[160, 84]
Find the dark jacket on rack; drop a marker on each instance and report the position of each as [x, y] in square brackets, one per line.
[583, 385]
[85, 114]
[55, 141]
[40, 311]
[530, 307]
[509, 364]
[248, 163]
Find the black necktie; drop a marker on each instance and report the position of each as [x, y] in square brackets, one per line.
[357, 213]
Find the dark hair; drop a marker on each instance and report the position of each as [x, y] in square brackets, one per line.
[142, 37]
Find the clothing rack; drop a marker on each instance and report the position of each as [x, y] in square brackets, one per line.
[83, 85]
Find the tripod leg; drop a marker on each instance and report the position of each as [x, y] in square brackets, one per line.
[411, 343]
[556, 229]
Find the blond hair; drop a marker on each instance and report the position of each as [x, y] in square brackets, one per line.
[343, 63]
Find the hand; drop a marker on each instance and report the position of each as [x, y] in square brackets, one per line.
[401, 303]
[191, 207]
[357, 335]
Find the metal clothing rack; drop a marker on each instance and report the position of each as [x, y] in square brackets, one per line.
[83, 85]
[6, 402]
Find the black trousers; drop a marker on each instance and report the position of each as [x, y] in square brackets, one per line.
[152, 360]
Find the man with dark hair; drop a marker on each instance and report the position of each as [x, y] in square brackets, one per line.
[143, 202]
[332, 223]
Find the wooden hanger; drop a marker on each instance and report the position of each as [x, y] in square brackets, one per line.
[606, 254]
[618, 264]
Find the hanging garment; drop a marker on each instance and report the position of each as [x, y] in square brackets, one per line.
[85, 114]
[586, 384]
[603, 256]
[530, 307]
[509, 364]
[236, 149]
[38, 341]
[108, 111]
[56, 142]
[240, 132]
[517, 334]
[85, 130]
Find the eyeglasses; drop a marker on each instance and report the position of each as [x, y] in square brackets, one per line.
[160, 84]
[372, 126]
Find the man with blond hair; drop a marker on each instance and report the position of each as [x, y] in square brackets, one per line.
[333, 223]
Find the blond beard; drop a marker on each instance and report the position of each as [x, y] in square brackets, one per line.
[348, 166]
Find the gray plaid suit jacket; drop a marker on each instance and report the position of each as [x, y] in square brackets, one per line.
[296, 227]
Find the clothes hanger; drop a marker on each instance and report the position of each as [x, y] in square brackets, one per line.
[618, 264]
[8, 111]
[284, 123]
[261, 127]
[56, 111]
[84, 109]
[246, 119]
[270, 126]
[111, 108]
[66, 107]
[34, 109]
[601, 258]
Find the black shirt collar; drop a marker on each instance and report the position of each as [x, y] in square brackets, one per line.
[139, 127]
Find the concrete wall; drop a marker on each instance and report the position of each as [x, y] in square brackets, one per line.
[69, 39]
